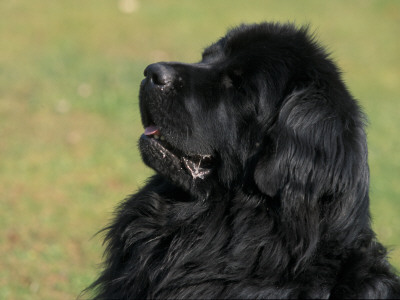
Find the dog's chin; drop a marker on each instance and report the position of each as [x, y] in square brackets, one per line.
[183, 169]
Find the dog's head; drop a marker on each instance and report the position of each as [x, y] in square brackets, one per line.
[264, 110]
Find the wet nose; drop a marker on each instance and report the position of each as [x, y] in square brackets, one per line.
[160, 74]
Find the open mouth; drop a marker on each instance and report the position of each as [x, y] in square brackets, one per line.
[153, 131]
[198, 166]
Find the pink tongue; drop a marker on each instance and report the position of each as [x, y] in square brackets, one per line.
[151, 130]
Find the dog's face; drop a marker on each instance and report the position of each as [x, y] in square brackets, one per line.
[240, 115]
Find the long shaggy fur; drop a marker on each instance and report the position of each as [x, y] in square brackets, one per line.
[261, 185]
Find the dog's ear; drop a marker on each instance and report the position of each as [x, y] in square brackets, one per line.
[315, 164]
[316, 144]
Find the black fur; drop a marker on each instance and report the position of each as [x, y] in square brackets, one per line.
[262, 180]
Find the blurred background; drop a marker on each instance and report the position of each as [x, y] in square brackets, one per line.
[69, 121]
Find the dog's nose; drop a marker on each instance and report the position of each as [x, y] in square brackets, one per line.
[160, 74]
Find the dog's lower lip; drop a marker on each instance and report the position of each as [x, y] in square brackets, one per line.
[205, 160]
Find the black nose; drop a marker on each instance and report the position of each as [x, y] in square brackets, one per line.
[160, 74]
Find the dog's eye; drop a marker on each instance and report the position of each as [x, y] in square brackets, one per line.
[233, 79]
[227, 82]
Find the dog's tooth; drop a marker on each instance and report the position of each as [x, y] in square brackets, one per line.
[162, 138]
[156, 136]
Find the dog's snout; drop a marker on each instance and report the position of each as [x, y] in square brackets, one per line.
[160, 74]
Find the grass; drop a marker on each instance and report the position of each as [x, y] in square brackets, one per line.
[69, 121]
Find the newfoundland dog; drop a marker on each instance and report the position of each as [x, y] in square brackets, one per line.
[261, 184]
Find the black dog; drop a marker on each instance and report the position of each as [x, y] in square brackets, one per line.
[262, 180]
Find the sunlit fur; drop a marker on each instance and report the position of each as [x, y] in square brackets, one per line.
[284, 211]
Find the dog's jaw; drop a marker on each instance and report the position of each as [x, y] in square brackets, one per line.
[189, 172]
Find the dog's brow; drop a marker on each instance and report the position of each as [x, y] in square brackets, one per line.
[207, 52]
[211, 51]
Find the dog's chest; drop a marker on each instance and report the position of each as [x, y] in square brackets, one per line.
[209, 250]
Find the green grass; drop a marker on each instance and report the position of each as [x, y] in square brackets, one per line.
[69, 121]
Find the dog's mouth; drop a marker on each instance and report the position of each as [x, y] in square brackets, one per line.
[160, 153]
